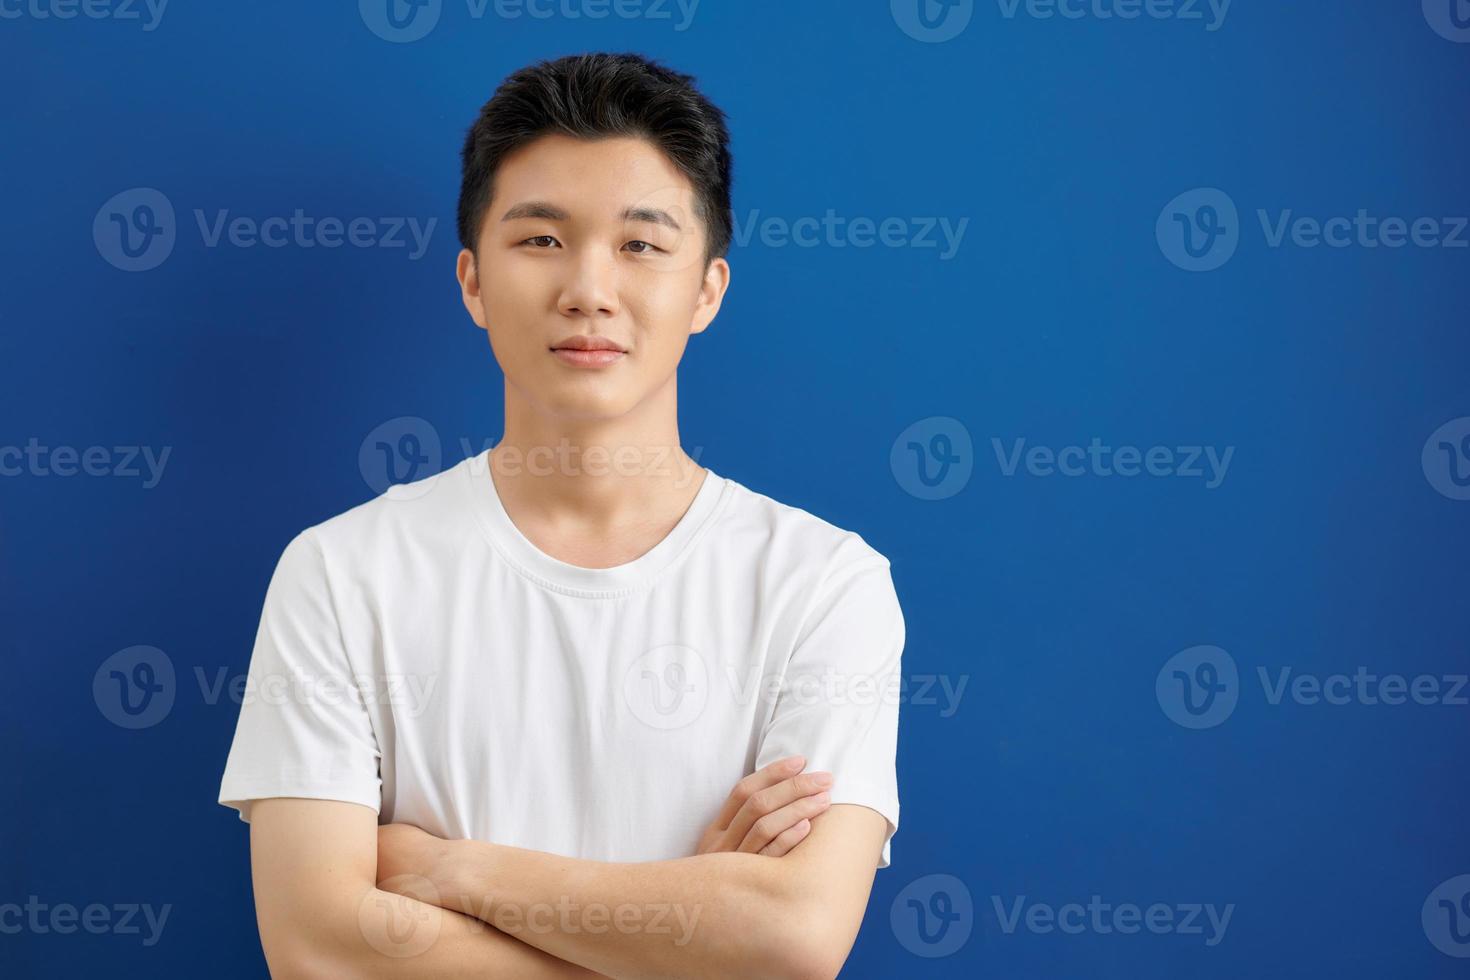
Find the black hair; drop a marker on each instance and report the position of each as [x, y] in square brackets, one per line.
[595, 96]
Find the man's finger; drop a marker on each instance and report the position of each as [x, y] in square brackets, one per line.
[770, 827]
[772, 798]
[756, 781]
[788, 839]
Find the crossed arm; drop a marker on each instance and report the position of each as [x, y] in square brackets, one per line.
[337, 895]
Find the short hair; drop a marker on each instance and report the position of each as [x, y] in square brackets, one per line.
[596, 96]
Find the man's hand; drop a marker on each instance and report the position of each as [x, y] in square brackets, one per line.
[320, 915]
[770, 811]
[718, 915]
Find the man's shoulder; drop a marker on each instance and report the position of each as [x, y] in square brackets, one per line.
[795, 532]
[419, 513]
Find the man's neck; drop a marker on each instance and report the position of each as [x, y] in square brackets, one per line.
[594, 494]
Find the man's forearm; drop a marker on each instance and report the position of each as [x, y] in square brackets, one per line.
[712, 915]
[397, 936]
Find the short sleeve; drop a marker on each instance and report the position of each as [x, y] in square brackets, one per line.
[838, 701]
[303, 729]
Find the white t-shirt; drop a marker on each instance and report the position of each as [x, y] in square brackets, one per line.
[418, 655]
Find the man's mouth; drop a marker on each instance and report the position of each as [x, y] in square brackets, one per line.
[583, 350]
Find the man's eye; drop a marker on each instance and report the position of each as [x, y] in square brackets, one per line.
[643, 251]
[537, 239]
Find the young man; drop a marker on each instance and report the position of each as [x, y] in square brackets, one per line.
[532, 680]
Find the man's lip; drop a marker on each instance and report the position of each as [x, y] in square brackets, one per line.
[588, 358]
[582, 342]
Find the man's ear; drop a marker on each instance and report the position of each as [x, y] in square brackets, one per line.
[711, 294]
[468, 274]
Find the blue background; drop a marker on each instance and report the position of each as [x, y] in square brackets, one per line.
[1059, 775]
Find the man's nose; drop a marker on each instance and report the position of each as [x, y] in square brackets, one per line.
[591, 287]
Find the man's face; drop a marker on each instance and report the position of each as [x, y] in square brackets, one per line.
[590, 239]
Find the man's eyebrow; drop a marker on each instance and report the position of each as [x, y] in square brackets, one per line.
[544, 209]
[535, 209]
[652, 216]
